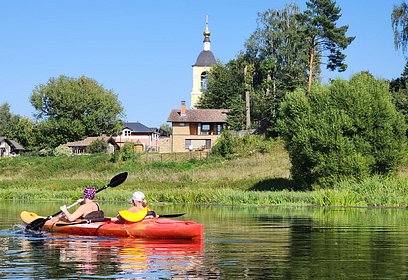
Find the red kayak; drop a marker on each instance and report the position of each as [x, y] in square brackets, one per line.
[151, 228]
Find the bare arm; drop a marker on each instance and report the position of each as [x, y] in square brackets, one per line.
[72, 217]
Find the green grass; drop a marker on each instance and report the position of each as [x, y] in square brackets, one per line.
[375, 191]
[260, 179]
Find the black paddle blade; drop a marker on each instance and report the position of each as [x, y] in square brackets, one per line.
[118, 179]
[171, 215]
[36, 224]
[115, 181]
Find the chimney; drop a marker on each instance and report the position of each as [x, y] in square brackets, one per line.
[183, 108]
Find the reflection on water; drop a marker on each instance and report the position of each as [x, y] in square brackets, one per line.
[54, 256]
[240, 243]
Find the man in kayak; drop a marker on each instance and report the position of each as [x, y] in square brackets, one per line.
[138, 211]
[88, 210]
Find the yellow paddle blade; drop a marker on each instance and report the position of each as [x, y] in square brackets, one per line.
[28, 217]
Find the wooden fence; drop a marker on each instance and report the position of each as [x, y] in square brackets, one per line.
[173, 157]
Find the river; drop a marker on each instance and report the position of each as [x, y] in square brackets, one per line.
[239, 243]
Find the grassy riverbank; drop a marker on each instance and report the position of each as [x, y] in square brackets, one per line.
[261, 179]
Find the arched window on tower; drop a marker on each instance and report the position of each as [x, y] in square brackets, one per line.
[204, 80]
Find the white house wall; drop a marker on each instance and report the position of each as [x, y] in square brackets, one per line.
[6, 148]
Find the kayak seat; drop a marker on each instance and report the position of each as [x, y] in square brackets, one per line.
[94, 215]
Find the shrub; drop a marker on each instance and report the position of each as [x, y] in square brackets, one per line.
[230, 146]
[348, 129]
[63, 150]
[98, 146]
[225, 145]
[128, 152]
[124, 154]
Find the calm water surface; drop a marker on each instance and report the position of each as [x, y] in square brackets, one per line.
[240, 243]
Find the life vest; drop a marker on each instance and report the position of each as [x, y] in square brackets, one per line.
[134, 216]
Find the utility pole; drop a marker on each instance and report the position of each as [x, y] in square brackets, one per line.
[247, 101]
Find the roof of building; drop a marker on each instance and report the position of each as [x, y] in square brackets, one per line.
[87, 141]
[205, 58]
[199, 115]
[12, 143]
[16, 145]
[138, 127]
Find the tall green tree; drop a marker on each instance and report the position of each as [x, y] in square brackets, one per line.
[17, 128]
[398, 86]
[26, 134]
[281, 62]
[71, 109]
[348, 129]
[399, 90]
[226, 90]
[8, 121]
[399, 22]
[286, 47]
[278, 45]
[323, 37]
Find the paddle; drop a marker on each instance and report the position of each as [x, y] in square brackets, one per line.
[107, 219]
[40, 222]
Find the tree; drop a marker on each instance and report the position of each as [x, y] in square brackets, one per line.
[225, 89]
[8, 121]
[165, 130]
[71, 109]
[278, 45]
[401, 82]
[17, 128]
[348, 129]
[26, 133]
[398, 88]
[399, 22]
[278, 57]
[278, 52]
[322, 36]
[281, 58]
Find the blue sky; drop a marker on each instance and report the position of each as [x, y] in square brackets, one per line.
[144, 50]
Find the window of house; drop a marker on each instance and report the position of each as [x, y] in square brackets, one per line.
[197, 144]
[219, 129]
[126, 132]
[187, 144]
[205, 127]
[182, 124]
[204, 80]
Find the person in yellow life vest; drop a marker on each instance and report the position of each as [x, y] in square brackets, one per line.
[138, 211]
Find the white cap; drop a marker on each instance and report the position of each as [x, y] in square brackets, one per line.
[138, 196]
